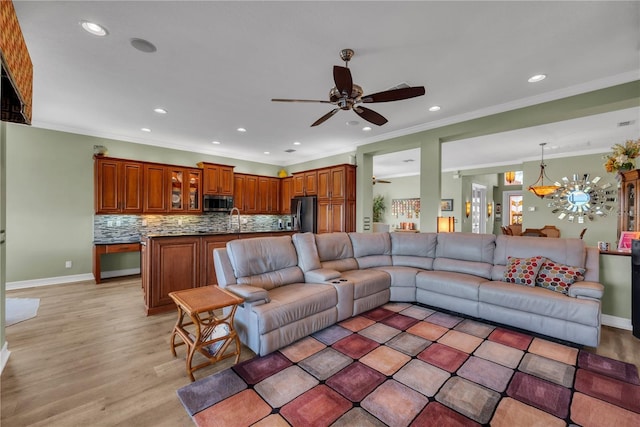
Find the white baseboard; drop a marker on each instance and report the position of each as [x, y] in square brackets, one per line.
[4, 356]
[60, 280]
[617, 322]
[48, 281]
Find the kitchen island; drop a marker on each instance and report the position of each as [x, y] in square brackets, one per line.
[176, 261]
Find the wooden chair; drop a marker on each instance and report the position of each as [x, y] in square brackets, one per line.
[506, 231]
[550, 231]
[584, 230]
[516, 229]
[533, 232]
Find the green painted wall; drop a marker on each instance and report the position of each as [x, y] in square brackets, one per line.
[615, 275]
[3, 212]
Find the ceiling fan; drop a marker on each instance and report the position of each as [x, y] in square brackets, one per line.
[346, 95]
[381, 181]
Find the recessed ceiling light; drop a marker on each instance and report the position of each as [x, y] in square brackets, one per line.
[241, 130]
[266, 152]
[216, 142]
[143, 45]
[434, 108]
[93, 28]
[366, 128]
[145, 129]
[297, 143]
[537, 78]
[160, 110]
[353, 123]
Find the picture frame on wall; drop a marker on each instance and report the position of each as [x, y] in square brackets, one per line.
[446, 204]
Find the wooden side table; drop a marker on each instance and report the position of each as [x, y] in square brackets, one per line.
[200, 333]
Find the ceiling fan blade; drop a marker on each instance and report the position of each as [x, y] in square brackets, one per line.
[299, 100]
[325, 117]
[343, 80]
[370, 115]
[395, 94]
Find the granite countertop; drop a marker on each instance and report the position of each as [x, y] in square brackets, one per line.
[119, 241]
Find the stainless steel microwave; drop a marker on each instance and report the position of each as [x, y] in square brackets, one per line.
[212, 203]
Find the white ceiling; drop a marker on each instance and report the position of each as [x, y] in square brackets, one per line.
[218, 64]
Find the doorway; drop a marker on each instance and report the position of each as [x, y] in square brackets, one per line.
[478, 208]
[512, 203]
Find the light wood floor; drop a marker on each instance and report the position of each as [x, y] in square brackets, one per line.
[92, 358]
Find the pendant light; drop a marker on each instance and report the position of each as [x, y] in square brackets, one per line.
[538, 188]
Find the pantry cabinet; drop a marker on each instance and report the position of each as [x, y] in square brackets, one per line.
[336, 199]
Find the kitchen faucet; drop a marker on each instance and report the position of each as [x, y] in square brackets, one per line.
[234, 209]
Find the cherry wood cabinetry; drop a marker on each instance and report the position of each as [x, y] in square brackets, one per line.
[185, 186]
[156, 190]
[629, 207]
[336, 199]
[268, 195]
[169, 264]
[217, 179]
[117, 186]
[207, 245]
[245, 193]
[286, 192]
[305, 183]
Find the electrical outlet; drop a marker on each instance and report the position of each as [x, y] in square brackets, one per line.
[244, 220]
[68, 264]
[109, 223]
[179, 222]
[144, 222]
[118, 223]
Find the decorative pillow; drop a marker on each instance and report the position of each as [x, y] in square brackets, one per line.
[522, 271]
[558, 277]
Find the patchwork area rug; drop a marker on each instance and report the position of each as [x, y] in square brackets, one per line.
[20, 309]
[406, 365]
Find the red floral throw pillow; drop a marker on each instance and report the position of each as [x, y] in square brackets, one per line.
[558, 277]
[523, 271]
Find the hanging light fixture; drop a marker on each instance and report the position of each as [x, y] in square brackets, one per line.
[538, 188]
[510, 176]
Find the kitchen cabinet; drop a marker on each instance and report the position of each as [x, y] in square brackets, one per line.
[268, 195]
[170, 264]
[245, 194]
[629, 208]
[305, 183]
[156, 190]
[208, 244]
[185, 187]
[286, 192]
[336, 199]
[217, 179]
[117, 186]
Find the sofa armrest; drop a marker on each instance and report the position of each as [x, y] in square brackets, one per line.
[321, 275]
[344, 288]
[249, 293]
[584, 289]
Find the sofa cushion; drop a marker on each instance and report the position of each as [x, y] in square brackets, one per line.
[523, 271]
[308, 258]
[563, 251]
[558, 277]
[458, 285]
[335, 251]
[294, 302]
[540, 301]
[266, 262]
[413, 249]
[404, 277]
[466, 247]
[371, 249]
[481, 269]
[367, 282]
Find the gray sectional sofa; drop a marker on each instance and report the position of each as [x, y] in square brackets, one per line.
[296, 285]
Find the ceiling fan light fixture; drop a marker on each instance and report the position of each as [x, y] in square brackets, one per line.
[538, 188]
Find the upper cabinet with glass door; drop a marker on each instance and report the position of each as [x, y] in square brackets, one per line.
[629, 193]
[185, 190]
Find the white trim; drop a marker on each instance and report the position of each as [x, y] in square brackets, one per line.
[4, 356]
[48, 281]
[617, 322]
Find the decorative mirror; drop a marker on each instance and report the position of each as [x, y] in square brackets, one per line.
[581, 197]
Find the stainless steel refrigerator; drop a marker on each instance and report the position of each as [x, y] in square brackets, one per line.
[303, 214]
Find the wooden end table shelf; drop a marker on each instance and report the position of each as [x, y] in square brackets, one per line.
[197, 321]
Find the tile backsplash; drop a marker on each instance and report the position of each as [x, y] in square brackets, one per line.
[129, 228]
